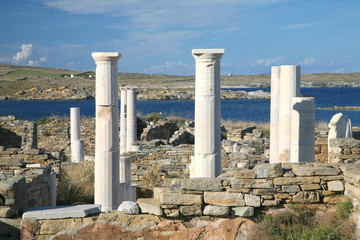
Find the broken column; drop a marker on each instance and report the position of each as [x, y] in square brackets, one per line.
[107, 131]
[127, 190]
[274, 114]
[77, 145]
[303, 130]
[123, 119]
[289, 88]
[131, 130]
[206, 162]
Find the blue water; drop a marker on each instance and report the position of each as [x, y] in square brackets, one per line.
[242, 109]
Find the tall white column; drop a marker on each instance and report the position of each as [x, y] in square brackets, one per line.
[123, 119]
[206, 162]
[77, 145]
[131, 131]
[274, 114]
[289, 88]
[303, 129]
[107, 131]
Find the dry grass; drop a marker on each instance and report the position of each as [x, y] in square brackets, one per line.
[76, 184]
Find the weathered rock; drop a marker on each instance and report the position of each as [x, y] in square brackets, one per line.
[252, 200]
[224, 199]
[129, 207]
[210, 210]
[268, 170]
[201, 184]
[290, 188]
[191, 210]
[307, 197]
[335, 186]
[13, 190]
[180, 199]
[243, 211]
[296, 180]
[251, 183]
[149, 205]
[315, 171]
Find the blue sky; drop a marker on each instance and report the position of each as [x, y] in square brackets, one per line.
[157, 36]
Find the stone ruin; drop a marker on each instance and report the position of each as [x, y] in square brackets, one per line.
[228, 178]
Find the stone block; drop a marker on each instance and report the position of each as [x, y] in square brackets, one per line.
[309, 187]
[129, 208]
[180, 199]
[296, 180]
[10, 227]
[191, 210]
[306, 197]
[251, 183]
[290, 188]
[243, 211]
[6, 211]
[268, 170]
[252, 200]
[210, 210]
[352, 191]
[224, 199]
[202, 184]
[13, 190]
[149, 205]
[269, 203]
[246, 173]
[76, 211]
[267, 191]
[315, 170]
[335, 186]
[334, 199]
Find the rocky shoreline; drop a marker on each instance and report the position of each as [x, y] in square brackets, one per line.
[144, 93]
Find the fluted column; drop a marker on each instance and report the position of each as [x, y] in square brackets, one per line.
[131, 130]
[289, 88]
[206, 162]
[107, 131]
[274, 114]
[303, 129]
[123, 119]
[77, 145]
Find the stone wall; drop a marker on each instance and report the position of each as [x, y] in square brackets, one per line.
[344, 150]
[239, 192]
[17, 133]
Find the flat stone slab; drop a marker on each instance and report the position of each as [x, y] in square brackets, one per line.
[75, 211]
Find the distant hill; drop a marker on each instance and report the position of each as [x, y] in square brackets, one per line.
[20, 78]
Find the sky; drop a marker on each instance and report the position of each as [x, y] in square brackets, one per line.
[157, 36]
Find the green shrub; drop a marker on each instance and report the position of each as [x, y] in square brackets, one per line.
[44, 120]
[155, 117]
[343, 209]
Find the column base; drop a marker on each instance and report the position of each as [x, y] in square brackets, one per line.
[203, 166]
[77, 151]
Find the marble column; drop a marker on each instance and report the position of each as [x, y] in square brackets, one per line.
[303, 130]
[206, 162]
[77, 145]
[131, 131]
[107, 131]
[274, 114]
[289, 88]
[123, 119]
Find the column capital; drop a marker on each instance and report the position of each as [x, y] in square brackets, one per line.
[207, 53]
[106, 56]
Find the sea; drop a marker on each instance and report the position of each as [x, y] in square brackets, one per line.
[256, 110]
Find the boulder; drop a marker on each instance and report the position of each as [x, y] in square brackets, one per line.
[129, 208]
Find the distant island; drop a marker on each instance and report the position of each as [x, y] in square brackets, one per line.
[36, 83]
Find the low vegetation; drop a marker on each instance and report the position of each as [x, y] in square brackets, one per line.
[302, 222]
[76, 184]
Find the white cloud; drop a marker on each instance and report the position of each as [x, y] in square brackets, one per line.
[308, 61]
[26, 51]
[43, 59]
[33, 63]
[301, 25]
[267, 62]
[171, 67]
